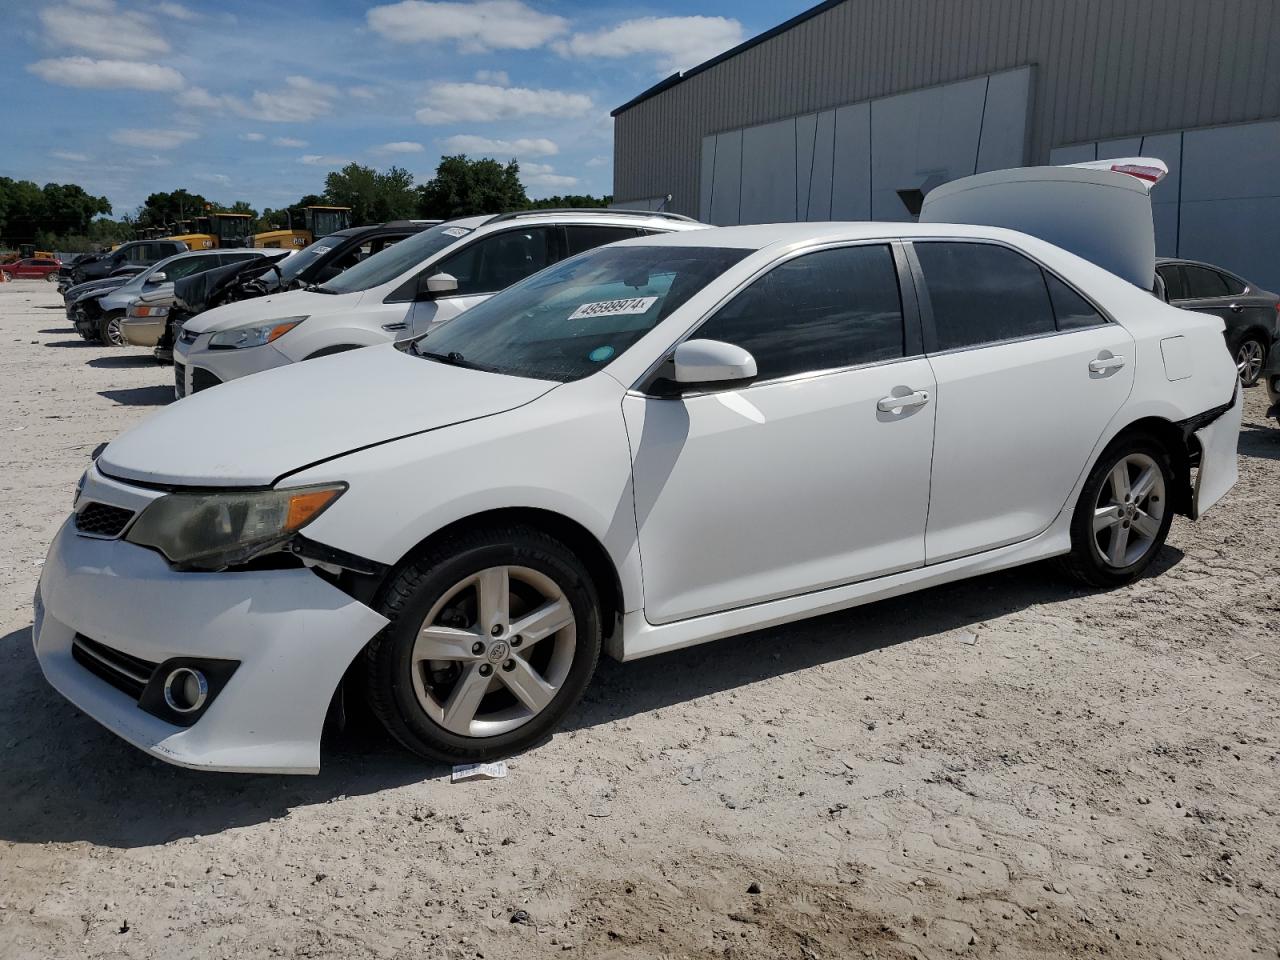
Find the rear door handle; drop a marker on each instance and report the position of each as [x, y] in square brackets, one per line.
[893, 404]
[1102, 366]
[1237, 308]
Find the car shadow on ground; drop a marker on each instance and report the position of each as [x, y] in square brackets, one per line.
[67, 779]
[69, 343]
[1256, 441]
[53, 330]
[156, 396]
[123, 360]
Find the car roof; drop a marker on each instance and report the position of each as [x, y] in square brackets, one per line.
[760, 236]
[600, 215]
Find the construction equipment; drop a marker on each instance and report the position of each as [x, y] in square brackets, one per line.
[305, 225]
[216, 230]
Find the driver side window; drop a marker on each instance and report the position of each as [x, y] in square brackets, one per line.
[495, 262]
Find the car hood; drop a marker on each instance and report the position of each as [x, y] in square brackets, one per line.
[96, 287]
[294, 303]
[252, 431]
[123, 296]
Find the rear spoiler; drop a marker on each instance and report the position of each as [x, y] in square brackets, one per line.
[1099, 210]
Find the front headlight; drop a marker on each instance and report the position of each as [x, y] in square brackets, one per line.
[143, 311]
[209, 531]
[255, 335]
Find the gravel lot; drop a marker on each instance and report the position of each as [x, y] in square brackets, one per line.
[1006, 767]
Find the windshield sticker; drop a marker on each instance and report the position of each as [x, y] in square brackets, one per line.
[613, 308]
[455, 231]
[321, 249]
[600, 354]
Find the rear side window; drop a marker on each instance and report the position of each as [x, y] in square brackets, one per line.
[1173, 285]
[587, 237]
[821, 311]
[497, 261]
[1203, 282]
[1235, 285]
[983, 293]
[1070, 310]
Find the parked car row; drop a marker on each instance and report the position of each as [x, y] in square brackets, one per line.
[633, 433]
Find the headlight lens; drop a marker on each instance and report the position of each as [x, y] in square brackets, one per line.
[142, 310]
[255, 335]
[209, 531]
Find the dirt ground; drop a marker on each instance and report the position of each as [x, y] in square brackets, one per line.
[1005, 767]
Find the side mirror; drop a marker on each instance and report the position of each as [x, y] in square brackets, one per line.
[157, 277]
[712, 361]
[441, 283]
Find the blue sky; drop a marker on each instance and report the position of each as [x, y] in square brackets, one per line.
[256, 101]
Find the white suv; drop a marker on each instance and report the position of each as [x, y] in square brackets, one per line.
[398, 293]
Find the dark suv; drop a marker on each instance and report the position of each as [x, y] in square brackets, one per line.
[1252, 314]
[138, 254]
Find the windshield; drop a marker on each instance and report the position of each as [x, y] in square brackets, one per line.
[395, 260]
[294, 265]
[575, 317]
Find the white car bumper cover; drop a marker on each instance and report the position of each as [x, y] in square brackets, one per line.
[228, 364]
[293, 633]
[1219, 467]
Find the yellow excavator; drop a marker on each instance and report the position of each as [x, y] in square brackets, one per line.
[305, 226]
[214, 230]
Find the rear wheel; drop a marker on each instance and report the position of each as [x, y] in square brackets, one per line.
[1251, 357]
[1124, 512]
[493, 637]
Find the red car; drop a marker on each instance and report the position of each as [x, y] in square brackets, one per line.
[37, 268]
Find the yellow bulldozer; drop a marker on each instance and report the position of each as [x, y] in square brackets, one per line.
[305, 225]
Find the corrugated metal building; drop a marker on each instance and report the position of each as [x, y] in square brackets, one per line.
[853, 108]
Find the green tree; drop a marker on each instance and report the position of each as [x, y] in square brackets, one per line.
[577, 200]
[372, 196]
[67, 208]
[162, 209]
[462, 187]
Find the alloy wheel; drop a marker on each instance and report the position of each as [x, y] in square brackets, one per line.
[1249, 360]
[494, 651]
[1129, 510]
[115, 336]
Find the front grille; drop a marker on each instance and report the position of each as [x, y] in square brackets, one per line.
[102, 519]
[179, 379]
[202, 379]
[124, 672]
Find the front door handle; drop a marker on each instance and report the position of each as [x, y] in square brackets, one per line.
[1236, 308]
[894, 404]
[1106, 365]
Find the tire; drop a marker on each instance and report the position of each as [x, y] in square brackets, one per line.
[1251, 358]
[449, 708]
[109, 332]
[1141, 522]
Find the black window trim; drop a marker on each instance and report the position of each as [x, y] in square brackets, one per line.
[913, 341]
[926, 305]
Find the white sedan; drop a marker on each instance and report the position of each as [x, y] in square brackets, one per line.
[653, 444]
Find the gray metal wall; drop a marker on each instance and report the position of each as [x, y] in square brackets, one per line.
[1103, 69]
[849, 163]
[1221, 200]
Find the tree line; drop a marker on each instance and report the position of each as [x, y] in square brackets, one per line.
[65, 217]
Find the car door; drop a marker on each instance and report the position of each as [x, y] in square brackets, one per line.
[23, 268]
[806, 477]
[490, 263]
[1029, 373]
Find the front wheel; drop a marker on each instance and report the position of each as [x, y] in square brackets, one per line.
[493, 637]
[1123, 515]
[1251, 357]
[110, 331]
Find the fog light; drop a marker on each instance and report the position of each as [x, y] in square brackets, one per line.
[185, 690]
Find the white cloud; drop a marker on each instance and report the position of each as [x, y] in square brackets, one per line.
[363, 92]
[493, 76]
[542, 175]
[219, 178]
[103, 5]
[69, 155]
[300, 99]
[601, 161]
[479, 102]
[674, 43]
[253, 137]
[153, 139]
[103, 31]
[288, 142]
[398, 146]
[316, 160]
[475, 27]
[177, 11]
[531, 147]
[86, 72]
